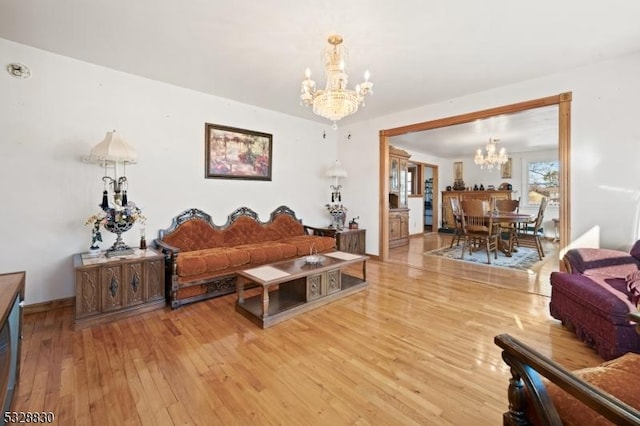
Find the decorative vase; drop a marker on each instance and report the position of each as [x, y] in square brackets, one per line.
[118, 248]
[342, 218]
[339, 216]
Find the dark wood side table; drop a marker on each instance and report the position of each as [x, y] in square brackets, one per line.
[111, 288]
[352, 241]
[347, 240]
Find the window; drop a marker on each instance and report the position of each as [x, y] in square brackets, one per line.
[543, 181]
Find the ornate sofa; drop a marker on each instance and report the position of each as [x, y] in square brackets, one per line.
[202, 258]
[542, 392]
[596, 295]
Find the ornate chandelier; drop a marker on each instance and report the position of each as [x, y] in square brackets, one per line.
[335, 101]
[493, 158]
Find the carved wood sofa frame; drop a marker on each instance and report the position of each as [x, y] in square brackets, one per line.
[224, 283]
[528, 397]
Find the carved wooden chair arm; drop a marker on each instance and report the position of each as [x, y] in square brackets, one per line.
[323, 232]
[527, 367]
[166, 248]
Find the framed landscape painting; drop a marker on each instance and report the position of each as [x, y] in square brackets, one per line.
[232, 153]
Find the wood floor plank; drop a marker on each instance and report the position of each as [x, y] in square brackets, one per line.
[415, 347]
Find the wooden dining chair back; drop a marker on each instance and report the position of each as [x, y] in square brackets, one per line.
[510, 230]
[454, 203]
[532, 237]
[478, 227]
[507, 206]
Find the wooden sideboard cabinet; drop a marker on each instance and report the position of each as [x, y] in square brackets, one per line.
[398, 227]
[488, 195]
[111, 288]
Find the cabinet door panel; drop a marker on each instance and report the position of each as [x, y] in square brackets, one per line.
[316, 286]
[395, 174]
[87, 292]
[154, 279]
[133, 285]
[394, 226]
[403, 190]
[111, 287]
[404, 226]
[334, 282]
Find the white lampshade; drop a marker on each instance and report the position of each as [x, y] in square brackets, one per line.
[336, 171]
[113, 149]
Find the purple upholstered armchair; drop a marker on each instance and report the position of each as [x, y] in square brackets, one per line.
[595, 296]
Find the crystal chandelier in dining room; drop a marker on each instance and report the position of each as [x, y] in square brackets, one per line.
[336, 101]
[493, 158]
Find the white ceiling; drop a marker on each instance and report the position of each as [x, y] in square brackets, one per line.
[255, 52]
[526, 131]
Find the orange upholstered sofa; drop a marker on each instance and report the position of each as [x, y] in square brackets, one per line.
[202, 258]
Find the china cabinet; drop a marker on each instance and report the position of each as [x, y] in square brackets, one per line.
[398, 197]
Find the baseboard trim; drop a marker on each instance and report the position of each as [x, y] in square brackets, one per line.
[48, 306]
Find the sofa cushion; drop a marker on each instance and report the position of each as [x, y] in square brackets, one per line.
[306, 244]
[618, 377]
[194, 235]
[286, 226]
[211, 260]
[605, 297]
[608, 262]
[246, 230]
[267, 252]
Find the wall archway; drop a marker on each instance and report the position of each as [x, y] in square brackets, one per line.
[563, 100]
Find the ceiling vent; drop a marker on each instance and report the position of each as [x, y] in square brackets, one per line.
[19, 70]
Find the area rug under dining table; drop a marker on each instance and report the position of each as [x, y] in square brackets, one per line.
[524, 259]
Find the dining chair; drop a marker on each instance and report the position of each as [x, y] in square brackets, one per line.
[533, 239]
[510, 229]
[508, 206]
[455, 210]
[478, 227]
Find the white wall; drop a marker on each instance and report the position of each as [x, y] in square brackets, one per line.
[54, 118]
[605, 146]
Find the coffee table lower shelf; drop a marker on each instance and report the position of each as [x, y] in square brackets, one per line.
[289, 300]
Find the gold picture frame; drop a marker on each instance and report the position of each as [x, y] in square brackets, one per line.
[506, 169]
[232, 153]
[457, 170]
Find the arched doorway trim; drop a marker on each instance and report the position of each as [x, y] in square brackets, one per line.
[563, 100]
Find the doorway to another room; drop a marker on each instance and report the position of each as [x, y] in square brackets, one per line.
[428, 199]
[422, 181]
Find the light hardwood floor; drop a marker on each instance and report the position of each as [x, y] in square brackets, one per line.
[416, 347]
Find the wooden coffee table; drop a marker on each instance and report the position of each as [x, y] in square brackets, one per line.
[294, 286]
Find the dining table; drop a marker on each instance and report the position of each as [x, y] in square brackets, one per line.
[508, 217]
[511, 218]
